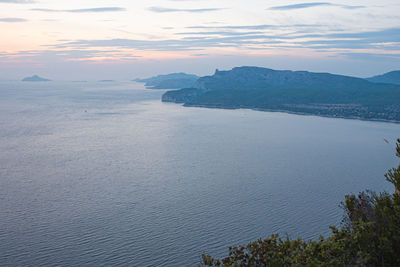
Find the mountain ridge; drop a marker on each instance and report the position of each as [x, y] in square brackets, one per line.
[169, 81]
[389, 77]
[302, 92]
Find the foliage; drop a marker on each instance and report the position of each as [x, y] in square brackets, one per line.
[369, 236]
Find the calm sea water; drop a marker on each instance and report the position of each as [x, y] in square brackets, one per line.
[104, 174]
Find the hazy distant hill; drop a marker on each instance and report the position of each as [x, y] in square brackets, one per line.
[293, 91]
[35, 78]
[170, 81]
[390, 77]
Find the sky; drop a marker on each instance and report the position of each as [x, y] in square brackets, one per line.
[127, 39]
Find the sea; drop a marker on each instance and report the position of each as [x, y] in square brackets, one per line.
[105, 174]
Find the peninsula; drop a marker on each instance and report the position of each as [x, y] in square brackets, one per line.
[169, 81]
[302, 92]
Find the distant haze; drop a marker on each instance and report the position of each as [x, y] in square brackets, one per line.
[122, 40]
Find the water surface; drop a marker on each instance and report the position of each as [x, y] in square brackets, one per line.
[95, 174]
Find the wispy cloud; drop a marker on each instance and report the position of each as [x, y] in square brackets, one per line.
[312, 4]
[355, 39]
[17, 1]
[84, 10]
[224, 33]
[197, 43]
[73, 55]
[169, 10]
[371, 56]
[200, 41]
[12, 20]
[254, 27]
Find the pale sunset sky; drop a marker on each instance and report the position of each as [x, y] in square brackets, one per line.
[121, 39]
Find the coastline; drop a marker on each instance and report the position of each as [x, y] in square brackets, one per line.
[287, 112]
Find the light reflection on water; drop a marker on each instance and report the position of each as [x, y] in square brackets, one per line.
[106, 174]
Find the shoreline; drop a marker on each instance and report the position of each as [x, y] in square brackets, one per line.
[287, 112]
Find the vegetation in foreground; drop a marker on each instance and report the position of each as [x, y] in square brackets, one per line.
[369, 236]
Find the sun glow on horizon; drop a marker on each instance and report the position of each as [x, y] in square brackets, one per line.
[93, 32]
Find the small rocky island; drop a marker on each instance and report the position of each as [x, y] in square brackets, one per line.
[169, 81]
[35, 78]
[301, 92]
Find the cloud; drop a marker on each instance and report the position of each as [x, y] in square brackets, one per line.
[357, 40]
[247, 27]
[191, 43]
[255, 27]
[225, 33]
[84, 10]
[372, 37]
[199, 41]
[169, 10]
[17, 1]
[72, 55]
[371, 56]
[12, 20]
[297, 36]
[312, 4]
[159, 45]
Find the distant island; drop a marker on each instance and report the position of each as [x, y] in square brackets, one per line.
[390, 77]
[301, 92]
[169, 81]
[107, 81]
[35, 78]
